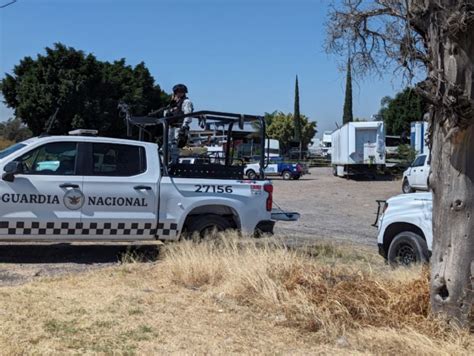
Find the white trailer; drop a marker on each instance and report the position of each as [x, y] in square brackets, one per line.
[358, 148]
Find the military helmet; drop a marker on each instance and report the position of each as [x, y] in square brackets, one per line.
[180, 88]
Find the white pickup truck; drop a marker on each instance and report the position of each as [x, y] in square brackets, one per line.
[416, 177]
[84, 187]
[405, 233]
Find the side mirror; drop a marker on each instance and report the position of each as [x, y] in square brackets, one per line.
[11, 169]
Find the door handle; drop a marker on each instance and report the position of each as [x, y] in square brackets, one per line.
[69, 185]
[142, 187]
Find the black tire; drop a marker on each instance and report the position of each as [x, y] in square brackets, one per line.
[407, 248]
[205, 225]
[251, 174]
[297, 176]
[406, 187]
[286, 175]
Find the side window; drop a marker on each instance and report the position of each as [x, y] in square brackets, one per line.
[420, 161]
[118, 160]
[57, 158]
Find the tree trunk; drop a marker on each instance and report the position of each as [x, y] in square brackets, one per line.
[452, 181]
[451, 47]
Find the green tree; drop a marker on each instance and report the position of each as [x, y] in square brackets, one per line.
[296, 113]
[85, 90]
[347, 115]
[281, 127]
[14, 130]
[399, 112]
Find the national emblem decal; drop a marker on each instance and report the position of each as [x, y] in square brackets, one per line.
[74, 199]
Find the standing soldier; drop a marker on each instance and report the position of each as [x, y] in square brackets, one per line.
[180, 105]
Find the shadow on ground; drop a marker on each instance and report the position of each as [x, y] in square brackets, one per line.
[78, 254]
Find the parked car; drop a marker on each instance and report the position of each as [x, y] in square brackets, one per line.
[405, 233]
[416, 177]
[276, 167]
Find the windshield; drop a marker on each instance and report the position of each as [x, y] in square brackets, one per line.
[9, 150]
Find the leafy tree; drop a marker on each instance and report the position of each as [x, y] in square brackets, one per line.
[347, 116]
[432, 37]
[86, 91]
[399, 112]
[281, 127]
[14, 130]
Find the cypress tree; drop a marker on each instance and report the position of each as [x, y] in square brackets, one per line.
[347, 117]
[296, 114]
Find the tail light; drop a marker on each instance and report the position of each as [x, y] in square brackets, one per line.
[269, 189]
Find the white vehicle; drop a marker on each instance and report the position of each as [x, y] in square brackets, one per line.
[83, 187]
[416, 177]
[405, 233]
[358, 148]
[276, 167]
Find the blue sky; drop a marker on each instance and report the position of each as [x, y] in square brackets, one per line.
[234, 55]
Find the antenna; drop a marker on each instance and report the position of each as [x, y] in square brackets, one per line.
[50, 122]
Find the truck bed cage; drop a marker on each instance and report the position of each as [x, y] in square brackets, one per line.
[223, 117]
[230, 119]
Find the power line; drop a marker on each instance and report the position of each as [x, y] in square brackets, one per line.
[8, 4]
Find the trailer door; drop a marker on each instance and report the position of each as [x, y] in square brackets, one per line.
[363, 136]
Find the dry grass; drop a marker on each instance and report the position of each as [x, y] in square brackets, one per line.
[231, 295]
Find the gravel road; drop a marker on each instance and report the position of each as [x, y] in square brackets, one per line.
[331, 208]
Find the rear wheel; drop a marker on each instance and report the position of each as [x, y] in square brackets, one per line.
[286, 175]
[251, 174]
[407, 248]
[406, 187]
[207, 225]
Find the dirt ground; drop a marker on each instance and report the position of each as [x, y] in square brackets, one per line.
[331, 208]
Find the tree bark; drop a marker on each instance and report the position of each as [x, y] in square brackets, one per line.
[450, 40]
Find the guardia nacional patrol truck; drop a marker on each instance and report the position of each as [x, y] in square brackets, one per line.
[85, 187]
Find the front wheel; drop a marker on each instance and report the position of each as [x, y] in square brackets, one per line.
[286, 175]
[407, 248]
[406, 187]
[207, 225]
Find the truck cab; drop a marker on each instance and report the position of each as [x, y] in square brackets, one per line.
[86, 187]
